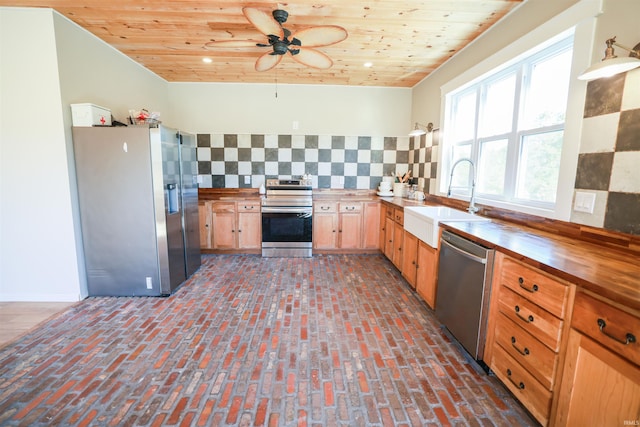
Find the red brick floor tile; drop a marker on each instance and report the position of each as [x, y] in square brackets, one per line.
[330, 340]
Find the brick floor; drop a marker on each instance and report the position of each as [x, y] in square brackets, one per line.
[322, 341]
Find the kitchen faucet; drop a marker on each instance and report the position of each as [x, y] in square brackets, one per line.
[472, 206]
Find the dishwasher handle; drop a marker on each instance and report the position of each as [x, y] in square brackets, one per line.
[464, 253]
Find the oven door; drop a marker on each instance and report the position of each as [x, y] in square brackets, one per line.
[287, 225]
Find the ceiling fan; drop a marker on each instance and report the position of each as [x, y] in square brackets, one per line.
[300, 45]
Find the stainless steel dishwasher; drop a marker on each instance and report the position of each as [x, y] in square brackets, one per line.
[464, 286]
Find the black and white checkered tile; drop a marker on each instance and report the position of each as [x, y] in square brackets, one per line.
[352, 162]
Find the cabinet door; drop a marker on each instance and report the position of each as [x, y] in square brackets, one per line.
[382, 226]
[427, 273]
[398, 234]
[410, 258]
[223, 225]
[388, 234]
[249, 230]
[204, 215]
[371, 225]
[350, 230]
[598, 387]
[325, 230]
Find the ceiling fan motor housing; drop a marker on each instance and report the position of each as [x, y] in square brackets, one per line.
[280, 15]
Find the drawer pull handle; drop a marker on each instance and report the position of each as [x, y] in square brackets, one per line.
[524, 352]
[527, 319]
[325, 208]
[248, 207]
[629, 338]
[532, 289]
[520, 385]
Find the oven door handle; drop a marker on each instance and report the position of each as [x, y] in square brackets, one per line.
[286, 209]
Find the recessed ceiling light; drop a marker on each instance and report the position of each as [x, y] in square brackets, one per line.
[207, 60]
[368, 64]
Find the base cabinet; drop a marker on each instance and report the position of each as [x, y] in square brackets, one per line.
[344, 225]
[427, 273]
[601, 377]
[527, 332]
[230, 225]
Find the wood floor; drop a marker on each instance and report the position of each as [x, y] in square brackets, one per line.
[17, 318]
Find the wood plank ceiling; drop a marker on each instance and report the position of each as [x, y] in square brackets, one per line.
[404, 40]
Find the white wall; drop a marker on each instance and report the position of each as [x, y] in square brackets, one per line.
[319, 110]
[38, 258]
[46, 63]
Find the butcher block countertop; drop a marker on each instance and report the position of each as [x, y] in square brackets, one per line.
[609, 272]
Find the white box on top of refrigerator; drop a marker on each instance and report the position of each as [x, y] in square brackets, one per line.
[90, 115]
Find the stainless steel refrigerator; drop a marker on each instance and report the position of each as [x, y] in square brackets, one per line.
[138, 197]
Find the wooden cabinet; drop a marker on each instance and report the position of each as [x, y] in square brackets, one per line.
[350, 225]
[383, 223]
[223, 221]
[393, 235]
[427, 273]
[398, 241]
[371, 225]
[601, 378]
[230, 225]
[420, 267]
[204, 214]
[346, 225]
[527, 332]
[249, 225]
[410, 258]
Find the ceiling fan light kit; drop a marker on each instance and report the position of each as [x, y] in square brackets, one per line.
[300, 46]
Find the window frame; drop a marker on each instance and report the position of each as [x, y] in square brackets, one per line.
[522, 69]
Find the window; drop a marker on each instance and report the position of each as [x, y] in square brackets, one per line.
[511, 125]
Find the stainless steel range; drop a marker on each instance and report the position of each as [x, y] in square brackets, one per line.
[287, 218]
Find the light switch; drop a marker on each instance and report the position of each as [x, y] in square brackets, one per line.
[247, 179]
[584, 202]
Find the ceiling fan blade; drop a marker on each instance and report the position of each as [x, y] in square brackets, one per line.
[313, 58]
[323, 35]
[267, 61]
[231, 43]
[263, 21]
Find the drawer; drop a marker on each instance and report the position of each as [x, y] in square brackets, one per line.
[325, 207]
[538, 322]
[351, 207]
[613, 328]
[389, 211]
[223, 206]
[546, 292]
[248, 206]
[398, 216]
[533, 395]
[537, 358]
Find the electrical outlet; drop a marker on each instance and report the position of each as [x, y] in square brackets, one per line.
[247, 179]
[296, 125]
[149, 283]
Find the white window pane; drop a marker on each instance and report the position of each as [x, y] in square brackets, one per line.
[492, 167]
[463, 117]
[539, 166]
[497, 109]
[546, 98]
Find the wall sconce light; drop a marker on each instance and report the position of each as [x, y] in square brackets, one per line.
[421, 129]
[611, 64]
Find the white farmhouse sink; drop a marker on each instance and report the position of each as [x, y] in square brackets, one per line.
[422, 221]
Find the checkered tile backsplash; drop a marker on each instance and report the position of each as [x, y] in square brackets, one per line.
[352, 162]
[610, 153]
